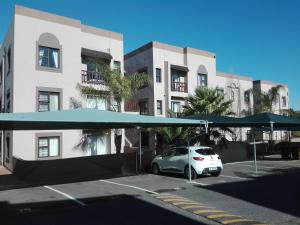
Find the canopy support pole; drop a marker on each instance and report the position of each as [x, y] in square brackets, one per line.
[140, 149]
[254, 152]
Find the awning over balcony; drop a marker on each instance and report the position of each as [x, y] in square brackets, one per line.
[181, 68]
[87, 119]
[96, 54]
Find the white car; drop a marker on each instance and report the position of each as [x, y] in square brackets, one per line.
[175, 160]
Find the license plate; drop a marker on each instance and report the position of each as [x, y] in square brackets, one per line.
[212, 168]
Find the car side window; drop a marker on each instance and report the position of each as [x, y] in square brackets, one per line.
[170, 152]
[181, 151]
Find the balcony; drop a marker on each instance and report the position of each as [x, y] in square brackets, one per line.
[179, 86]
[92, 77]
[131, 106]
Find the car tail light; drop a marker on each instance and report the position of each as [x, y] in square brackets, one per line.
[219, 157]
[198, 158]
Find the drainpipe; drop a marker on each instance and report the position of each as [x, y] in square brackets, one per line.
[2, 105]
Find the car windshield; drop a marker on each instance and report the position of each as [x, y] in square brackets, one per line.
[205, 151]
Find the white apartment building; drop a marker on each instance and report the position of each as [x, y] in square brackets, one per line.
[43, 58]
[176, 72]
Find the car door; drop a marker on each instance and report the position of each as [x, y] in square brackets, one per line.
[166, 161]
[179, 159]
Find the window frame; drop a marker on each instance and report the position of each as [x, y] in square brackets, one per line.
[119, 65]
[284, 101]
[49, 40]
[158, 75]
[176, 102]
[59, 91]
[48, 136]
[159, 110]
[48, 102]
[48, 57]
[199, 80]
[146, 112]
[247, 99]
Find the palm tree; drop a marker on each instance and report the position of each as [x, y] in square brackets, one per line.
[208, 101]
[265, 101]
[172, 136]
[119, 88]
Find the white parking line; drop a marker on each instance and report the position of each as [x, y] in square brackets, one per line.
[240, 178]
[130, 186]
[195, 182]
[259, 166]
[232, 163]
[66, 195]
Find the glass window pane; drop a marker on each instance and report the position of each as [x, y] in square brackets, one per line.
[53, 105]
[91, 102]
[43, 56]
[43, 97]
[53, 58]
[43, 152]
[54, 146]
[43, 142]
[101, 103]
[43, 107]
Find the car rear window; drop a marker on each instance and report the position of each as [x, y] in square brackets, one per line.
[207, 151]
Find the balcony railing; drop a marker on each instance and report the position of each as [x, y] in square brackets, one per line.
[92, 77]
[131, 106]
[179, 86]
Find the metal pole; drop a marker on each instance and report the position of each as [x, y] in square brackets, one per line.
[189, 161]
[140, 152]
[254, 149]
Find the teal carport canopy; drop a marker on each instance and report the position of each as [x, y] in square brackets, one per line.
[84, 118]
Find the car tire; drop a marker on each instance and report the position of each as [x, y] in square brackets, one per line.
[155, 169]
[193, 173]
[216, 174]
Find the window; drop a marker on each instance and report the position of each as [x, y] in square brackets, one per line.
[49, 57]
[247, 97]
[175, 107]
[145, 139]
[159, 107]
[8, 60]
[202, 80]
[97, 144]
[220, 91]
[117, 65]
[8, 100]
[48, 101]
[181, 151]
[48, 147]
[143, 108]
[284, 101]
[96, 102]
[158, 75]
[232, 95]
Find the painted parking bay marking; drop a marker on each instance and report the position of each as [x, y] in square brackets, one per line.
[203, 210]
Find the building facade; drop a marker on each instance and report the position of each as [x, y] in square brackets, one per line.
[44, 58]
[176, 72]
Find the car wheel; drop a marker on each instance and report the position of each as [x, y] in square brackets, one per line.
[155, 169]
[216, 174]
[193, 173]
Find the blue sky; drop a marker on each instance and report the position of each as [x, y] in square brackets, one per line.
[257, 38]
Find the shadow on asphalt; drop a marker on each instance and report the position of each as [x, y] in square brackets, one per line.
[279, 191]
[113, 210]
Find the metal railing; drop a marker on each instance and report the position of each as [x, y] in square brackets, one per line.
[179, 86]
[92, 77]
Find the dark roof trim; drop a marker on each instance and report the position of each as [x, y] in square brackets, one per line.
[96, 54]
[181, 68]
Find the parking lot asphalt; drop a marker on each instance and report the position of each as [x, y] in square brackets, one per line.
[270, 196]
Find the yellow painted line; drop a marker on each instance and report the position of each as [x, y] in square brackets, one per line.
[195, 206]
[234, 221]
[221, 216]
[207, 211]
[185, 203]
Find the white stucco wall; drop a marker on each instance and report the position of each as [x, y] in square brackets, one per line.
[27, 78]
